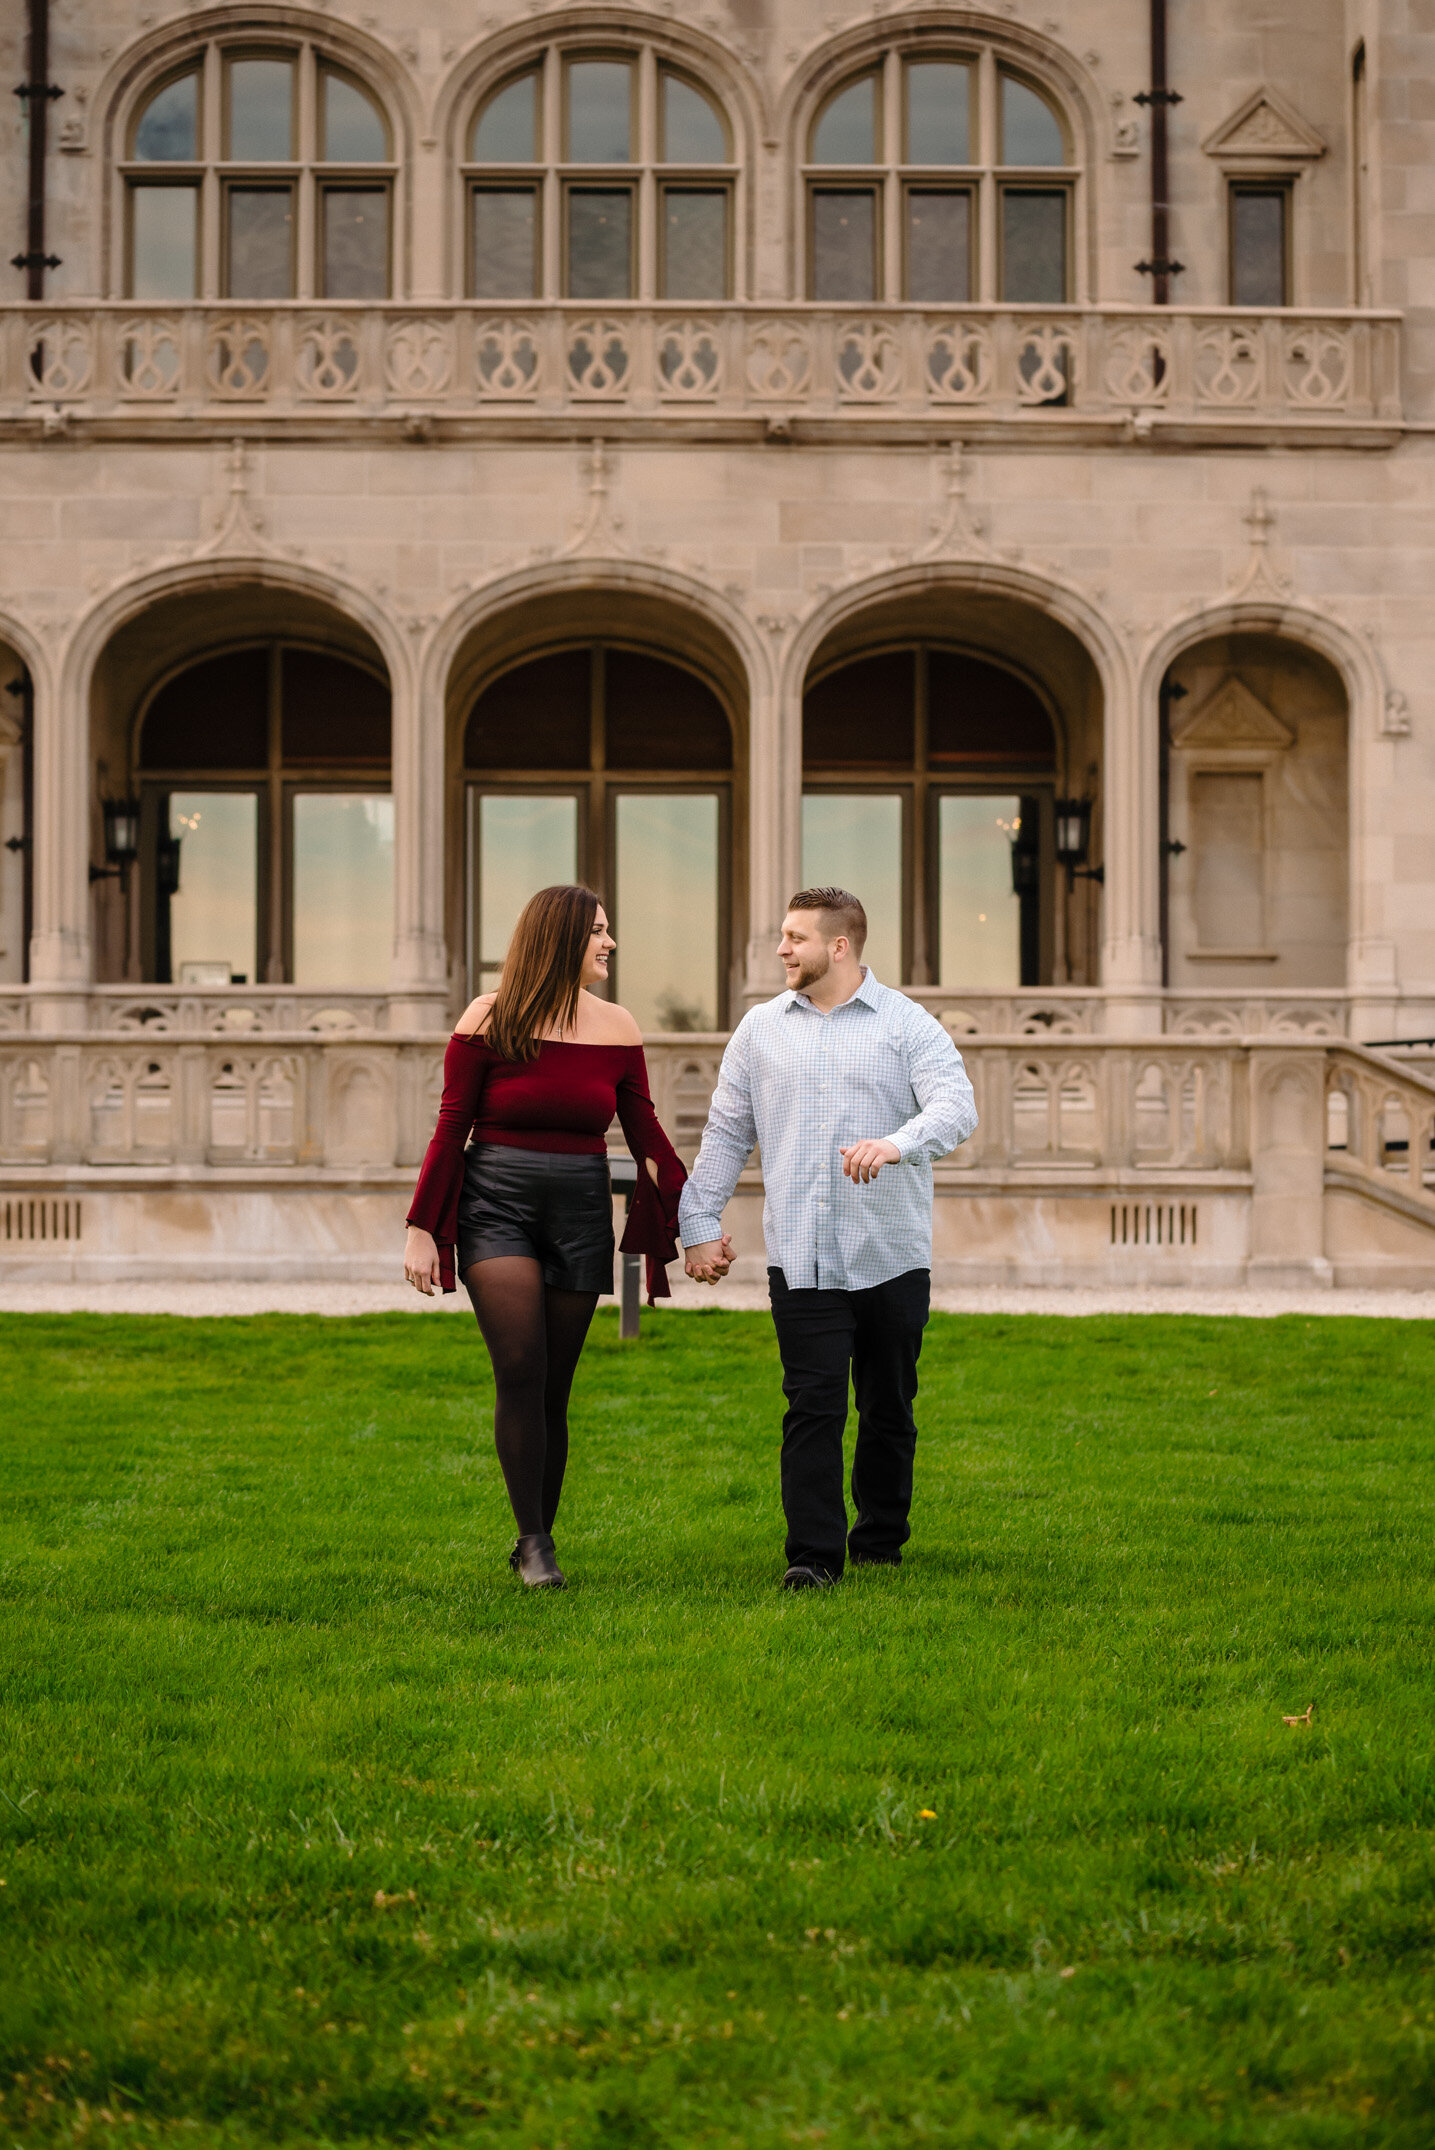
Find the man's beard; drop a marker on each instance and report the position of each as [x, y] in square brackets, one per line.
[813, 968]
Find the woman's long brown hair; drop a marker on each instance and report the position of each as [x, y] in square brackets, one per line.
[542, 971]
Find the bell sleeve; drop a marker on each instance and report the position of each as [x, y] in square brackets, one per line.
[652, 1227]
[434, 1208]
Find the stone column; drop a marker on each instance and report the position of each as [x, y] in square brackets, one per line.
[1288, 1137]
[418, 981]
[1131, 940]
[60, 915]
[774, 832]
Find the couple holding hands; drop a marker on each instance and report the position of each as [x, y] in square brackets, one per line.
[849, 1089]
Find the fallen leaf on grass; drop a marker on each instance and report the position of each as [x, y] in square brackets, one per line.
[1304, 1718]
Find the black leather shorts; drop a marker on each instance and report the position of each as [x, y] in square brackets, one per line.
[555, 1208]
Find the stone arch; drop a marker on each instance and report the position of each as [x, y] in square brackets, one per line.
[497, 52]
[1066, 78]
[21, 656]
[154, 51]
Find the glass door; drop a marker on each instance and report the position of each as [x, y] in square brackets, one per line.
[668, 906]
[206, 915]
[854, 840]
[342, 889]
[518, 842]
[987, 857]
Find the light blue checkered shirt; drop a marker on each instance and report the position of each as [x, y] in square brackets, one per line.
[803, 1085]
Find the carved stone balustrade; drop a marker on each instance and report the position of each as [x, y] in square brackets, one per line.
[210, 365]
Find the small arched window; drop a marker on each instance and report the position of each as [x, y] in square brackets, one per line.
[939, 178]
[258, 173]
[596, 175]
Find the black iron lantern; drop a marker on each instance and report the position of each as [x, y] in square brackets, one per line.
[1072, 824]
[122, 839]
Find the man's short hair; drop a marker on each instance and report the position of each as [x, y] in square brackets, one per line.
[841, 913]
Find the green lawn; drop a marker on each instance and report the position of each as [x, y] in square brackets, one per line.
[315, 1830]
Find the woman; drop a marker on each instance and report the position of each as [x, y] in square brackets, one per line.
[534, 1073]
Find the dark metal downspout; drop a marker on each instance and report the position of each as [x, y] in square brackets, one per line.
[37, 93]
[1160, 268]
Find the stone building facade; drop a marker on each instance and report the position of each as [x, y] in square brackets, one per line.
[702, 451]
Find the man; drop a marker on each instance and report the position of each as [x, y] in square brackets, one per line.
[851, 1090]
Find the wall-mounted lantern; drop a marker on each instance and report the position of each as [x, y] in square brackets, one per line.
[1072, 819]
[122, 840]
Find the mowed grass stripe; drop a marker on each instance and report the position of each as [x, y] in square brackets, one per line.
[316, 1830]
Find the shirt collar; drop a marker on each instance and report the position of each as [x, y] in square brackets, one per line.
[867, 992]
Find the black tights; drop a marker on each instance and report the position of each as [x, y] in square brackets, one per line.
[534, 1334]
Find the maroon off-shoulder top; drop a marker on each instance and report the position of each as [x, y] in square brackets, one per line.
[563, 1100]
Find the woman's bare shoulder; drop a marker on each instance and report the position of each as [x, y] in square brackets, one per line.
[474, 1019]
[608, 1024]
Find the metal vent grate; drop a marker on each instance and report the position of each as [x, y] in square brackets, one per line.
[1153, 1224]
[39, 1217]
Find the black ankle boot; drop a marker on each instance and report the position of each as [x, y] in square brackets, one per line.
[533, 1562]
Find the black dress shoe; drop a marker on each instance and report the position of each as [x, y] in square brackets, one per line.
[800, 1577]
[533, 1562]
[873, 1560]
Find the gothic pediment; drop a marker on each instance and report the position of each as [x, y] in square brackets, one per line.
[1233, 717]
[1265, 130]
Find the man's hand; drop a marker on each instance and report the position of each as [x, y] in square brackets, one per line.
[864, 1160]
[710, 1261]
[421, 1262]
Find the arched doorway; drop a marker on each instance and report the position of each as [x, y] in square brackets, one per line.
[607, 762]
[939, 733]
[17, 710]
[253, 731]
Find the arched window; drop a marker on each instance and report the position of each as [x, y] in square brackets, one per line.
[595, 175]
[928, 777]
[267, 827]
[258, 172]
[604, 763]
[938, 178]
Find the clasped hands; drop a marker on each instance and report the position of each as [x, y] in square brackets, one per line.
[861, 1161]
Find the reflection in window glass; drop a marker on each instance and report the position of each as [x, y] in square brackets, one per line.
[979, 925]
[507, 130]
[168, 129]
[1030, 131]
[164, 223]
[692, 131]
[261, 111]
[1033, 246]
[694, 243]
[524, 844]
[261, 243]
[666, 910]
[846, 133]
[1258, 246]
[505, 242]
[844, 245]
[938, 112]
[600, 243]
[938, 246]
[356, 243]
[600, 128]
[213, 916]
[853, 840]
[343, 889]
[354, 131]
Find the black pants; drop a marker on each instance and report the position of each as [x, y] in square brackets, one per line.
[875, 1335]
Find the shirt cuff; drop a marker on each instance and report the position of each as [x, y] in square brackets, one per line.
[697, 1230]
[910, 1148]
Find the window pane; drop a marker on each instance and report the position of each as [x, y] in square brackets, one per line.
[938, 247]
[854, 840]
[980, 916]
[666, 906]
[1258, 247]
[692, 130]
[846, 133]
[261, 111]
[938, 112]
[354, 131]
[863, 715]
[600, 243]
[524, 844]
[600, 129]
[214, 915]
[505, 242]
[844, 246]
[694, 243]
[507, 129]
[1229, 844]
[163, 224]
[1031, 133]
[261, 243]
[343, 889]
[356, 243]
[1033, 247]
[168, 128]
